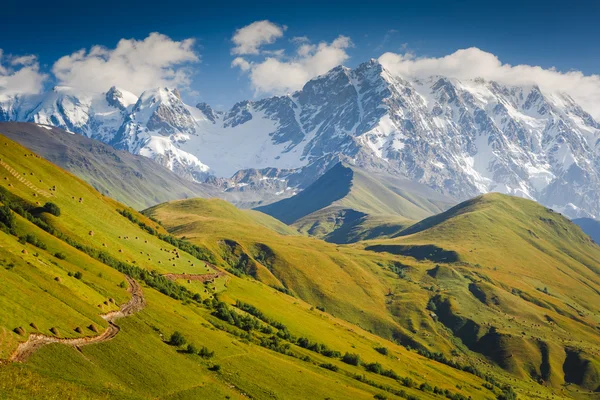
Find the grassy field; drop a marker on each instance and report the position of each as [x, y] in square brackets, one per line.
[312, 302]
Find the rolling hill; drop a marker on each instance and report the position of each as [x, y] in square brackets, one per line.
[134, 180]
[188, 329]
[348, 204]
[521, 285]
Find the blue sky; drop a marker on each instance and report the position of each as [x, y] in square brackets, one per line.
[560, 34]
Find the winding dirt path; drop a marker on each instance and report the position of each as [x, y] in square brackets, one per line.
[36, 341]
[198, 277]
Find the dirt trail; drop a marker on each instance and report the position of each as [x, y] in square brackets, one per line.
[36, 341]
[198, 277]
[23, 180]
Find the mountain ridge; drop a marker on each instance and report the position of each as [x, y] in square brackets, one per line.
[461, 138]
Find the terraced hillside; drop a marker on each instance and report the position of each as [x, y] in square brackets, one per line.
[69, 256]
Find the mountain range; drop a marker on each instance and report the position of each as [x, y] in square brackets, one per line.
[460, 138]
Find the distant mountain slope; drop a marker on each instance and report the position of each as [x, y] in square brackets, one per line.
[134, 180]
[345, 197]
[590, 226]
[461, 137]
[519, 279]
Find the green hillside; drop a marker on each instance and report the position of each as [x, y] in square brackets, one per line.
[523, 288]
[347, 204]
[64, 267]
[133, 180]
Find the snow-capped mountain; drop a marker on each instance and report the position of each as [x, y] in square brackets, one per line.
[459, 137]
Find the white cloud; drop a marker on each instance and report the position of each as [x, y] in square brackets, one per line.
[473, 62]
[20, 75]
[250, 38]
[277, 75]
[135, 65]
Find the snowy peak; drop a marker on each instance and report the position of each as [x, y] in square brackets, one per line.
[460, 137]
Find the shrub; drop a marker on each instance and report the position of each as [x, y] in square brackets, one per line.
[177, 339]
[191, 349]
[7, 217]
[215, 368]
[352, 359]
[206, 353]
[60, 256]
[375, 367]
[78, 275]
[382, 350]
[380, 397]
[330, 367]
[52, 208]
[508, 393]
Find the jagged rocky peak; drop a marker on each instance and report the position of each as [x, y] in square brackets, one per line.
[208, 112]
[164, 112]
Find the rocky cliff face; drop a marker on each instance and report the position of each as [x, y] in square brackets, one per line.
[460, 137]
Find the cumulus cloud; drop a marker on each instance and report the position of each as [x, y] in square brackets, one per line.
[473, 62]
[20, 75]
[135, 65]
[250, 38]
[281, 74]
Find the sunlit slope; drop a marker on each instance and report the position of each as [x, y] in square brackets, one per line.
[337, 207]
[520, 283]
[132, 179]
[43, 290]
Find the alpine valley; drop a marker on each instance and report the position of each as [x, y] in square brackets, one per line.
[367, 237]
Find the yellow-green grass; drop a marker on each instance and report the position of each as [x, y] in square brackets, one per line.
[353, 284]
[523, 269]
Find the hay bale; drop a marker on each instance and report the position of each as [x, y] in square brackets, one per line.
[111, 300]
[24, 251]
[91, 233]
[93, 328]
[105, 302]
[78, 330]
[103, 244]
[57, 279]
[34, 326]
[54, 331]
[19, 331]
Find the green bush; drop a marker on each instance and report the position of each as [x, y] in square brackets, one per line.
[206, 353]
[52, 208]
[352, 359]
[375, 367]
[177, 339]
[330, 367]
[78, 275]
[7, 217]
[382, 350]
[60, 256]
[191, 349]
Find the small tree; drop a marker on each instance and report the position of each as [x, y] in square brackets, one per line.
[78, 275]
[352, 359]
[191, 349]
[52, 209]
[374, 367]
[382, 350]
[508, 393]
[177, 339]
[7, 217]
[205, 352]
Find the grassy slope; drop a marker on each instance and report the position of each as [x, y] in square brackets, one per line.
[523, 269]
[134, 180]
[340, 206]
[137, 363]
